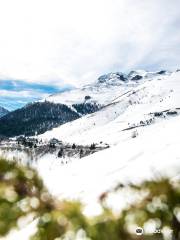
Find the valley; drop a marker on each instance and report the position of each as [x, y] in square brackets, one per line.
[122, 128]
[28, 151]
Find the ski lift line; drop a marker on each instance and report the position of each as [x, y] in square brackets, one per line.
[130, 93]
[129, 128]
[143, 125]
[177, 108]
[121, 95]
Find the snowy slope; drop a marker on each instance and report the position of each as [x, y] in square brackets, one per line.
[151, 110]
[105, 89]
[129, 107]
[154, 151]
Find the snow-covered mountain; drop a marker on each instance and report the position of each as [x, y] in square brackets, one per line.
[35, 118]
[138, 118]
[127, 103]
[140, 122]
[105, 89]
[57, 109]
[3, 111]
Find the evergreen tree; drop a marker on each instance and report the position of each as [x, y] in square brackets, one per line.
[73, 146]
[93, 146]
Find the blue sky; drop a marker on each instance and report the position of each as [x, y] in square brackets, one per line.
[16, 93]
[47, 45]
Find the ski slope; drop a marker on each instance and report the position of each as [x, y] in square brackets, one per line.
[128, 108]
[154, 150]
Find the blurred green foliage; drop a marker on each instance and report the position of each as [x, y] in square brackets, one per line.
[22, 193]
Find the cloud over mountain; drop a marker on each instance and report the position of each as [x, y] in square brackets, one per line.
[16, 93]
[74, 42]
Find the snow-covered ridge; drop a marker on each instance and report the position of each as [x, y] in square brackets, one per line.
[105, 88]
[129, 104]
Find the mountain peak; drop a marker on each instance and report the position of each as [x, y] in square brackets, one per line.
[119, 78]
[140, 74]
[3, 111]
[116, 78]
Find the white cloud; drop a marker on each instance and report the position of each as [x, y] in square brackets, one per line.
[22, 94]
[74, 41]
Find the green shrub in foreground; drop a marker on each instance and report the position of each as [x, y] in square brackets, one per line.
[22, 193]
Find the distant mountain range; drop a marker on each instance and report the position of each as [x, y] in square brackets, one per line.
[57, 109]
[3, 111]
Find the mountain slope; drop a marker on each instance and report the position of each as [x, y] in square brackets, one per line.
[79, 102]
[39, 117]
[3, 111]
[35, 119]
[103, 91]
[142, 128]
[129, 108]
[154, 152]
